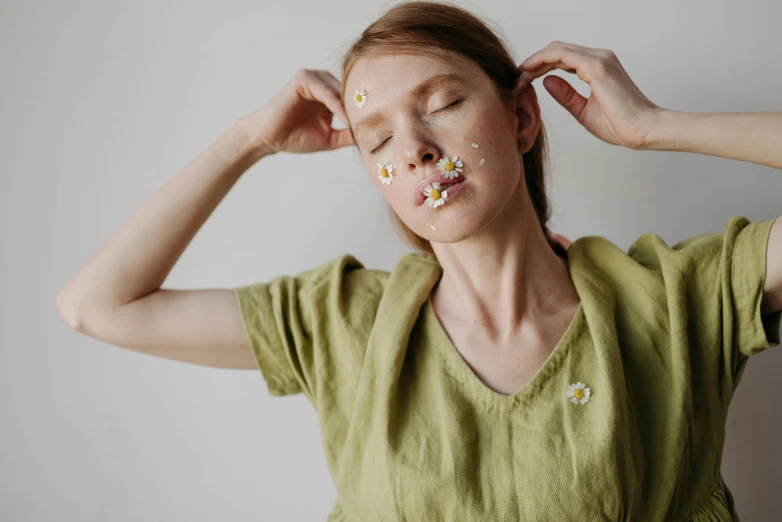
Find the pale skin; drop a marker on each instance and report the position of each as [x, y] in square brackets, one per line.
[505, 298]
[118, 296]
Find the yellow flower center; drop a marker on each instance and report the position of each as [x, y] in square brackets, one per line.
[434, 194]
[358, 97]
[449, 165]
[578, 394]
[384, 172]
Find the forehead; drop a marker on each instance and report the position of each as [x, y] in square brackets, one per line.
[388, 78]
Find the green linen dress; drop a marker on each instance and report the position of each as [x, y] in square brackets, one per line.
[661, 338]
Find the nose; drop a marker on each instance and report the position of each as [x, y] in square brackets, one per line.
[421, 156]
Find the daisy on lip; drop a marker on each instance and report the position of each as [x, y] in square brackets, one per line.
[419, 193]
[435, 195]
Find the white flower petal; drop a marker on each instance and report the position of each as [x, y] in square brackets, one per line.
[570, 393]
[574, 400]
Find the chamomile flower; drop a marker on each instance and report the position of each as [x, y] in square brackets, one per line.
[435, 197]
[578, 393]
[384, 174]
[450, 168]
[360, 97]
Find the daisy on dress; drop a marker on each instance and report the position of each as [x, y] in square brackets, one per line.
[578, 393]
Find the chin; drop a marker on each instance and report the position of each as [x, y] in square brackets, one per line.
[456, 228]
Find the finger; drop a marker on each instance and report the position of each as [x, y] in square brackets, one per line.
[334, 84]
[526, 77]
[555, 238]
[340, 138]
[330, 79]
[566, 96]
[563, 240]
[554, 49]
[328, 96]
[585, 61]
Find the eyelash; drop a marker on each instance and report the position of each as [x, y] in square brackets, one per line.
[449, 106]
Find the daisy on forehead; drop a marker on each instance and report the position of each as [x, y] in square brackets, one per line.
[433, 118]
[360, 97]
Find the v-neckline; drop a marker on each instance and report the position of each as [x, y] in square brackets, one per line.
[458, 367]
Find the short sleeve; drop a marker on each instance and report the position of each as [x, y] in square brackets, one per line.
[727, 272]
[308, 332]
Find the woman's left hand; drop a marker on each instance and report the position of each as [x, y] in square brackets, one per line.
[555, 239]
[617, 112]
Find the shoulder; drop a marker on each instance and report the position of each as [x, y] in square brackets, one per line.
[344, 289]
[343, 275]
[650, 254]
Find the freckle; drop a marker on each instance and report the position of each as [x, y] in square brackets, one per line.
[432, 226]
[475, 145]
[482, 161]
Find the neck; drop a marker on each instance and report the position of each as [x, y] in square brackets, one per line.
[506, 279]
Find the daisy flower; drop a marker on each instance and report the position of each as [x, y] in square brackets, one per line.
[384, 174]
[360, 97]
[450, 168]
[578, 393]
[435, 198]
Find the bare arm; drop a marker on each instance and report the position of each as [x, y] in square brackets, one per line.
[117, 296]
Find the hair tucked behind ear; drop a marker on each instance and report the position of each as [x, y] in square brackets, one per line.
[433, 29]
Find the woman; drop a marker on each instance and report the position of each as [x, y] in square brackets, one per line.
[487, 376]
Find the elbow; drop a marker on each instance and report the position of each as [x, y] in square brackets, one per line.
[69, 311]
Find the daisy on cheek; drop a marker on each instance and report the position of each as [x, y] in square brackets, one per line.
[384, 174]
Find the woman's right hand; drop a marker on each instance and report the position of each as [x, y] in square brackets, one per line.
[298, 117]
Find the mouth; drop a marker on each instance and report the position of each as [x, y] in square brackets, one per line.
[446, 184]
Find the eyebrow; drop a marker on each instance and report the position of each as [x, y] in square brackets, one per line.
[373, 119]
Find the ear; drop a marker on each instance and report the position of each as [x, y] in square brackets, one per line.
[528, 115]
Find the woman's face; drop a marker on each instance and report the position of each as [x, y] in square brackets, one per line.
[413, 129]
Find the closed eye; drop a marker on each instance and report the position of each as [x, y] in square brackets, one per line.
[447, 107]
[379, 146]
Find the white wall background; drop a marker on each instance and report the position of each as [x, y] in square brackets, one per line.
[101, 102]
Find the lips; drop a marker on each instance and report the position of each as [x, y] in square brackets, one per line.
[419, 197]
